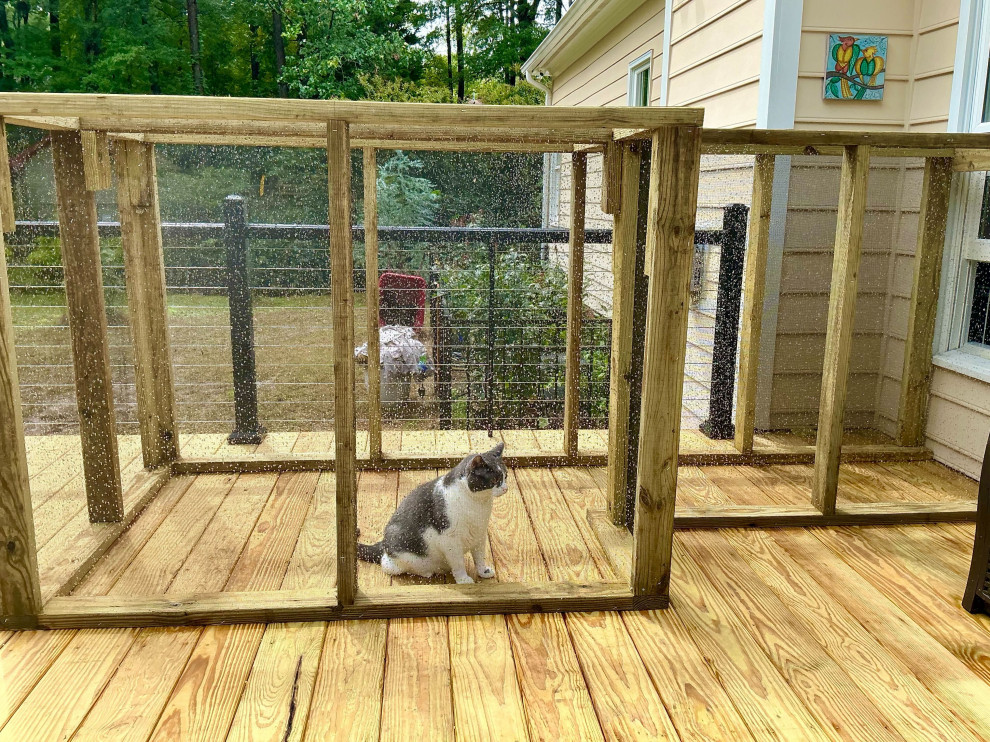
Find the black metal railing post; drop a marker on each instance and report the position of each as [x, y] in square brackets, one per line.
[719, 425]
[490, 367]
[640, 296]
[246, 426]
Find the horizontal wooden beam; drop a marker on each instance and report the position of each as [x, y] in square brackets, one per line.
[811, 150]
[822, 138]
[852, 514]
[438, 115]
[533, 131]
[322, 462]
[48, 123]
[308, 142]
[970, 160]
[617, 541]
[310, 605]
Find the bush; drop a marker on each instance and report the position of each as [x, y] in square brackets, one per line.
[529, 314]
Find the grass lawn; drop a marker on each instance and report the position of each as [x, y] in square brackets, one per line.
[293, 347]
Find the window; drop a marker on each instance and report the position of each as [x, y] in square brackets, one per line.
[639, 80]
[963, 343]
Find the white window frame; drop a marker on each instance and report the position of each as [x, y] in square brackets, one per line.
[962, 245]
[642, 63]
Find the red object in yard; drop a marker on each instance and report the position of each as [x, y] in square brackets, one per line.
[399, 296]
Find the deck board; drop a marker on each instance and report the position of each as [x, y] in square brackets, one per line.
[347, 699]
[911, 708]
[949, 679]
[851, 633]
[481, 667]
[417, 702]
[840, 707]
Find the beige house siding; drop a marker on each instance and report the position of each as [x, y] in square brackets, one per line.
[714, 62]
[599, 77]
[806, 271]
[916, 98]
[715, 59]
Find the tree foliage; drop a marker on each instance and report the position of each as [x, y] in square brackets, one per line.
[399, 49]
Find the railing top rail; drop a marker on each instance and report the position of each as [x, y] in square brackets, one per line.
[823, 138]
[433, 118]
[503, 235]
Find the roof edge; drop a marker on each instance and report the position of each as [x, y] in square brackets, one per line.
[587, 20]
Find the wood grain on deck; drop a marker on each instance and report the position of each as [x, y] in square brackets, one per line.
[849, 633]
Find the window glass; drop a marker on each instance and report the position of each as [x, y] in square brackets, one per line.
[979, 318]
[986, 96]
[643, 87]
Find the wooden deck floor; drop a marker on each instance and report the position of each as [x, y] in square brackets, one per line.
[848, 633]
[211, 518]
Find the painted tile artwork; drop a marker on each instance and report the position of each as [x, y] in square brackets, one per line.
[855, 67]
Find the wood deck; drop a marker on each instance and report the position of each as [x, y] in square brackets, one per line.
[848, 633]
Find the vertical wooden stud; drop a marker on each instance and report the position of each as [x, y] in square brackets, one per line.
[670, 233]
[80, 245]
[754, 283]
[916, 377]
[575, 302]
[623, 297]
[342, 299]
[612, 177]
[96, 160]
[144, 267]
[6, 184]
[371, 299]
[841, 313]
[20, 594]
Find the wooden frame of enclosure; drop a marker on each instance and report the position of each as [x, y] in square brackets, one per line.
[90, 132]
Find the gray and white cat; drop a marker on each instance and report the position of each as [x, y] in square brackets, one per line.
[437, 523]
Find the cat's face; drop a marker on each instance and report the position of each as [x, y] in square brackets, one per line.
[487, 472]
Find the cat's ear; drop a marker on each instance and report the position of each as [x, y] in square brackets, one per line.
[498, 449]
[475, 462]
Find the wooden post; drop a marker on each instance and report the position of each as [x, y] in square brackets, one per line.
[342, 299]
[144, 266]
[623, 298]
[96, 160]
[6, 184]
[612, 177]
[371, 300]
[670, 236]
[924, 302]
[754, 283]
[20, 594]
[88, 329]
[841, 312]
[575, 302]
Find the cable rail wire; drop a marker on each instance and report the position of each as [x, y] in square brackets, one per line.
[489, 373]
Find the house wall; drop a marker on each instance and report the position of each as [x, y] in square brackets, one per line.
[714, 63]
[715, 50]
[715, 59]
[921, 56]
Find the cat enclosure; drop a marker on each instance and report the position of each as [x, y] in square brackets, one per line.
[653, 245]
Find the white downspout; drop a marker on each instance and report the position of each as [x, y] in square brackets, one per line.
[548, 163]
[539, 86]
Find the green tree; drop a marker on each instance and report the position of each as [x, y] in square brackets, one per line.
[339, 41]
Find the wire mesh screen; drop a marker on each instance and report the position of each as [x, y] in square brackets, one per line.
[491, 297]
[38, 304]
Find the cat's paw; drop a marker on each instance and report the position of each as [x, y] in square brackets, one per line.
[486, 572]
[464, 579]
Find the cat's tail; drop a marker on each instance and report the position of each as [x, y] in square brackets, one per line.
[371, 552]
